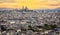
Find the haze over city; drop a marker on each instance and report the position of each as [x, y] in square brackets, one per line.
[29, 17]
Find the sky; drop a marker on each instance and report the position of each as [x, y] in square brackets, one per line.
[32, 4]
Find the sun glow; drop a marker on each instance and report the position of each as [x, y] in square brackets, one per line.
[32, 4]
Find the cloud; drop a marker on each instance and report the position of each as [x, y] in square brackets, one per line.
[8, 1]
[54, 4]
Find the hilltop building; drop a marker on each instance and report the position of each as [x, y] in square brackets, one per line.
[25, 9]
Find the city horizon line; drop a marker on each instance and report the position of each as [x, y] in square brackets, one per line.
[27, 7]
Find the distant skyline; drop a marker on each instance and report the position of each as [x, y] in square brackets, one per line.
[31, 4]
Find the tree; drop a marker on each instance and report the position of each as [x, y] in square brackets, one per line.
[3, 28]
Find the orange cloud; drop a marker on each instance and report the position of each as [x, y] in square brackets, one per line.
[54, 4]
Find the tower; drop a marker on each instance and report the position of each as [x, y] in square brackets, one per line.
[25, 8]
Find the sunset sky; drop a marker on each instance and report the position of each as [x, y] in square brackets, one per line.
[32, 4]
